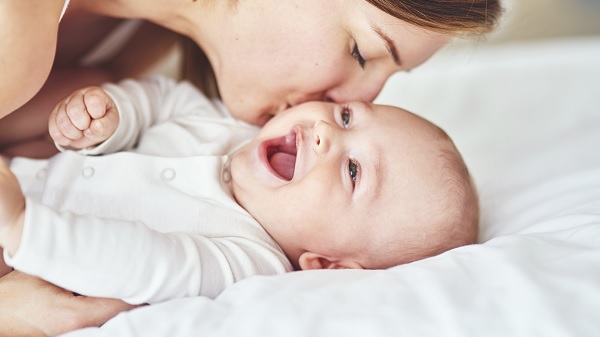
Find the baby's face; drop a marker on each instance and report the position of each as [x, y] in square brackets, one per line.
[339, 180]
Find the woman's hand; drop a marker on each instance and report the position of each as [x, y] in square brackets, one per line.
[30, 306]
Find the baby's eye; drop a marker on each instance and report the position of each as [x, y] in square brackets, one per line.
[358, 56]
[345, 117]
[353, 170]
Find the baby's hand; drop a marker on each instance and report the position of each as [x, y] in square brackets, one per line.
[85, 118]
[12, 210]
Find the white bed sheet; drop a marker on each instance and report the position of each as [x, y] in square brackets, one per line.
[527, 119]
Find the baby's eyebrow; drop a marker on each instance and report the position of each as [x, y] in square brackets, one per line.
[378, 173]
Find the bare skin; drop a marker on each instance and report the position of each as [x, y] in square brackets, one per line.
[27, 51]
[55, 310]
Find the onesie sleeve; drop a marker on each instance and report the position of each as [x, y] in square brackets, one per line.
[161, 117]
[127, 260]
[145, 104]
[138, 106]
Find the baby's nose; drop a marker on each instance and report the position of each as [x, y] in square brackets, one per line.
[322, 135]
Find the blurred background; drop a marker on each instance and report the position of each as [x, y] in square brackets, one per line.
[546, 19]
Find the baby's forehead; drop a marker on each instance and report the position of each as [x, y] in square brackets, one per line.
[400, 129]
[395, 115]
[398, 122]
[410, 169]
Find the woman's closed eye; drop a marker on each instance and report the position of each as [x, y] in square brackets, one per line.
[358, 56]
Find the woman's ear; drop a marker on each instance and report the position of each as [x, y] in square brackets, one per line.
[309, 260]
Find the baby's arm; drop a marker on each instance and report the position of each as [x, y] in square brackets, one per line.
[104, 257]
[28, 33]
[84, 119]
[138, 104]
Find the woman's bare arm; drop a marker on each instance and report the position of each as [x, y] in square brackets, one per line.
[28, 33]
[30, 122]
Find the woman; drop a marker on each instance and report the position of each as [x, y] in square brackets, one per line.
[299, 49]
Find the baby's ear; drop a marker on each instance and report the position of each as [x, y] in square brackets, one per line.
[309, 260]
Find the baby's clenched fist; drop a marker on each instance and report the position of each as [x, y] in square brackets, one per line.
[86, 118]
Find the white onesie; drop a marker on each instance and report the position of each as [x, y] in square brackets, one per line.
[154, 223]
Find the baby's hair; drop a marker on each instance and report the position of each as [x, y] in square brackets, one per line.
[454, 223]
[462, 216]
[458, 223]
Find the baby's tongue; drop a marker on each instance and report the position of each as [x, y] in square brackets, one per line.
[283, 163]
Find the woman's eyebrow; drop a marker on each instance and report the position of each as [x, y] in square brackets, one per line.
[389, 44]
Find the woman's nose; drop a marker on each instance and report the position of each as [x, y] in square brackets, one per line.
[347, 89]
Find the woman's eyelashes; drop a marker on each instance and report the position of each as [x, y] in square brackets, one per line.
[358, 56]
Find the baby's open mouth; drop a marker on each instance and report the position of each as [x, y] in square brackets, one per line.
[281, 155]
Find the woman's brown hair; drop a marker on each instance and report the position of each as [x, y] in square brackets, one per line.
[196, 68]
[454, 17]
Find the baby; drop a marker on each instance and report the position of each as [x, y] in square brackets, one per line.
[185, 200]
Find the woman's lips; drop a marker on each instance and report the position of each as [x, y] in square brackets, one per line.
[279, 155]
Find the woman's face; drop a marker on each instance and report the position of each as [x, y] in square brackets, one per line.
[272, 54]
